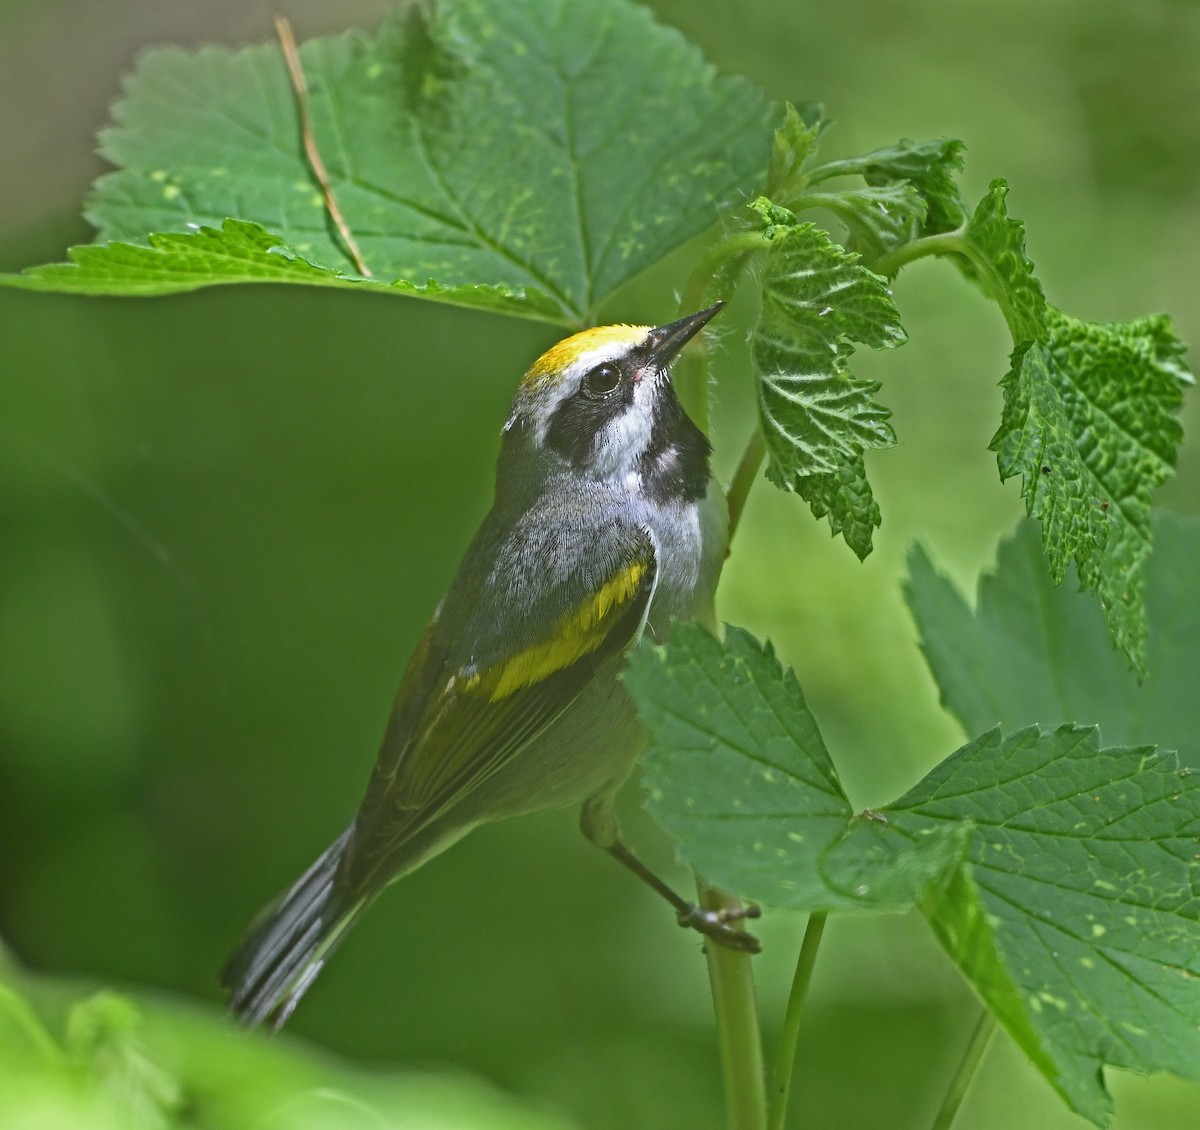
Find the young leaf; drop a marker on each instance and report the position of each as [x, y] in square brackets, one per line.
[549, 150]
[930, 167]
[816, 417]
[738, 772]
[994, 246]
[794, 142]
[1089, 422]
[1077, 915]
[1008, 662]
[879, 218]
[1090, 425]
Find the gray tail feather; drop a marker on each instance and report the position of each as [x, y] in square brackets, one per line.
[289, 943]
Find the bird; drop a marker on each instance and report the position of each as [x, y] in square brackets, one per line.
[606, 524]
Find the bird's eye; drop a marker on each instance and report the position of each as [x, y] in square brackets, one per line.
[602, 380]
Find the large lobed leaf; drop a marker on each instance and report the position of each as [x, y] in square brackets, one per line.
[738, 772]
[1030, 652]
[545, 151]
[1078, 916]
[1060, 872]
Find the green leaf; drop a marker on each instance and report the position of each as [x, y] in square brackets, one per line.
[794, 142]
[145, 1066]
[105, 1036]
[1078, 920]
[1090, 423]
[25, 1045]
[738, 772]
[546, 151]
[816, 417]
[929, 167]
[994, 246]
[239, 252]
[1030, 652]
[1062, 877]
[878, 218]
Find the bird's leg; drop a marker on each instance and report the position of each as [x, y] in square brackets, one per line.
[598, 821]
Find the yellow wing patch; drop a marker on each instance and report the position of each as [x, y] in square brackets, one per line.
[574, 636]
[551, 363]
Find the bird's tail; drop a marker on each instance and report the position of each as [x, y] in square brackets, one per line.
[290, 941]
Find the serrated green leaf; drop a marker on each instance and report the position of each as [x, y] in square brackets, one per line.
[845, 497]
[1090, 423]
[879, 218]
[1062, 877]
[1036, 440]
[816, 417]
[239, 252]
[1082, 923]
[1030, 652]
[930, 167]
[794, 142]
[548, 149]
[996, 261]
[737, 771]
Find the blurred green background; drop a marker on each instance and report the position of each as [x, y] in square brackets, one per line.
[225, 517]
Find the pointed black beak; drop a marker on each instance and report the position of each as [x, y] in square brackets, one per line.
[665, 341]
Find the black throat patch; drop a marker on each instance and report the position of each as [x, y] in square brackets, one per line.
[675, 462]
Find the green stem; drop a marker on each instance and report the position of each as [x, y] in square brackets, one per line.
[947, 243]
[782, 1080]
[731, 975]
[735, 1007]
[966, 1071]
[744, 478]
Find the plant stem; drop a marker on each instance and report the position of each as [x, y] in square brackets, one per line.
[782, 1080]
[730, 972]
[947, 243]
[744, 477]
[732, 246]
[738, 1041]
[966, 1071]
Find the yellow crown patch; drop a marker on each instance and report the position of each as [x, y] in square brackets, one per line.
[552, 363]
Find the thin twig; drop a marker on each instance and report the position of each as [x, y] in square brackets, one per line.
[291, 56]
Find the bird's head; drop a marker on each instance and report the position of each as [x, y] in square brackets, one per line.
[602, 403]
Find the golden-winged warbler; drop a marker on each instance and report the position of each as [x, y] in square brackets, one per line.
[606, 523]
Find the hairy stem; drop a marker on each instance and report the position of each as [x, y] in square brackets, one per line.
[739, 1043]
[947, 243]
[957, 1091]
[782, 1080]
